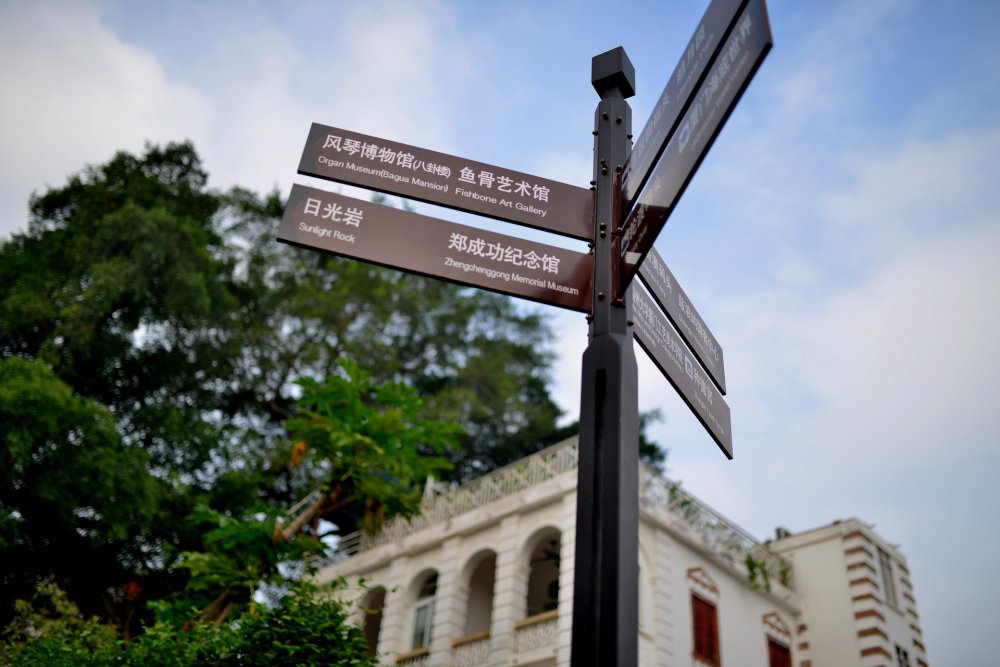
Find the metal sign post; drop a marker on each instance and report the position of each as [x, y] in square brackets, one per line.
[606, 578]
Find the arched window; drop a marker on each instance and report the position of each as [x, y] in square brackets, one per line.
[479, 608]
[423, 611]
[543, 575]
[372, 605]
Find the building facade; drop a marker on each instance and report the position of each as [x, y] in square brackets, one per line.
[485, 577]
[859, 606]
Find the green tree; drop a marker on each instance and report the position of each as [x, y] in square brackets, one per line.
[73, 498]
[123, 288]
[368, 450]
[367, 447]
[306, 629]
[240, 557]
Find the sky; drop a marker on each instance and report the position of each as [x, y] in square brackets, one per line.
[841, 239]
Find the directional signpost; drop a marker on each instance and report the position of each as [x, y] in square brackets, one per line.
[606, 575]
[633, 194]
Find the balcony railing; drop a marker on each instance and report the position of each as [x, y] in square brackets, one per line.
[714, 531]
[471, 651]
[500, 483]
[421, 657]
[536, 632]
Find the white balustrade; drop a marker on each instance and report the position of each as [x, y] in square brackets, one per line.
[536, 632]
[471, 651]
[715, 531]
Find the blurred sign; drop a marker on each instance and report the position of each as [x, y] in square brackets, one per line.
[704, 46]
[728, 77]
[682, 370]
[682, 314]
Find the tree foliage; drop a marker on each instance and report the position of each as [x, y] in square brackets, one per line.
[49, 631]
[240, 556]
[474, 357]
[121, 296]
[367, 447]
[72, 499]
[122, 286]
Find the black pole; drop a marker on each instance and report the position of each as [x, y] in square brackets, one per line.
[606, 581]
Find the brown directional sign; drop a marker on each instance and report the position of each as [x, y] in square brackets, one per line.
[438, 178]
[728, 77]
[682, 370]
[677, 306]
[420, 244]
[702, 49]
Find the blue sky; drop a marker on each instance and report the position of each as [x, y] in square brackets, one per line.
[842, 239]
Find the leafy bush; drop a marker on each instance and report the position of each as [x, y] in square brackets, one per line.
[308, 628]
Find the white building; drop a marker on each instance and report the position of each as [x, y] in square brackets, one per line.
[858, 606]
[485, 577]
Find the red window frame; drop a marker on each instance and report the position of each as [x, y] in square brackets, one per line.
[705, 623]
[778, 655]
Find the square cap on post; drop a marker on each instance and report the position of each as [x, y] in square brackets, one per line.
[612, 70]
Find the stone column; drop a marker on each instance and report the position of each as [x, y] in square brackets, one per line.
[567, 558]
[394, 637]
[448, 604]
[508, 590]
[665, 601]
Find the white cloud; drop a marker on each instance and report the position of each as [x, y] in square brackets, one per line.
[262, 123]
[926, 188]
[75, 94]
[576, 169]
[904, 363]
[853, 381]
[907, 355]
[829, 72]
[400, 64]
[388, 69]
[570, 331]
